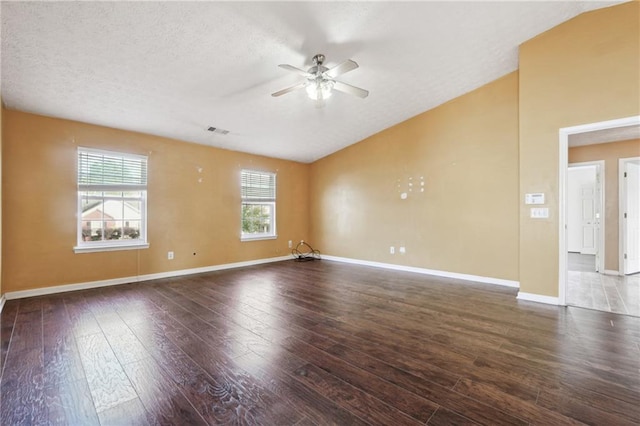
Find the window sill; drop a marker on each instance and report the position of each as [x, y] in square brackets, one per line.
[109, 247]
[258, 238]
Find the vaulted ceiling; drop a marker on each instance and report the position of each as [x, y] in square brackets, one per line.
[175, 69]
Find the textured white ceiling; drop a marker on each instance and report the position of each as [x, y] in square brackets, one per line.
[605, 136]
[175, 68]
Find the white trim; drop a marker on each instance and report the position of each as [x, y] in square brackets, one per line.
[212, 268]
[111, 247]
[611, 272]
[600, 174]
[129, 280]
[2, 300]
[446, 274]
[622, 208]
[258, 237]
[563, 163]
[539, 298]
[10, 295]
[563, 254]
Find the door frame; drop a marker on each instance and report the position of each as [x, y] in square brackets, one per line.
[622, 207]
[563, 164]
[600, 172]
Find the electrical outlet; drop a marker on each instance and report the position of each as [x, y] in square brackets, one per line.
[402, 250]
[290, 244]
[170, 255]
[392, 250]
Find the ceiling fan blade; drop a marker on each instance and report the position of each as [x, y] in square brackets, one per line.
[352, 90]
[289, 89]
[342, 68]
[294, 69]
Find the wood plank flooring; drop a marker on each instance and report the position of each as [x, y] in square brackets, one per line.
[314, 343]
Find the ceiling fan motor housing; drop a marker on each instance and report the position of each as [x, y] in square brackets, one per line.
[318, 59]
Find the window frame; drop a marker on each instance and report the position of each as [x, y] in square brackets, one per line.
[259, 201]
[83, 246]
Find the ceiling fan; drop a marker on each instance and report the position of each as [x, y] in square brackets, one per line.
[321, 80]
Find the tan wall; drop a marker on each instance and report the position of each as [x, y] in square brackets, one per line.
[610, 153]
[184, 216]
[583, 71]
[466, 220]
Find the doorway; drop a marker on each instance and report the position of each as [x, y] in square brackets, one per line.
[585, 230]
[577, 270]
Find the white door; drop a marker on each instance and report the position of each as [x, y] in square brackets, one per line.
[588, 219]
[631, 217]
[582, 206]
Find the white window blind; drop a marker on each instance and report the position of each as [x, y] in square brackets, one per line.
[258, 186]
[103, 169]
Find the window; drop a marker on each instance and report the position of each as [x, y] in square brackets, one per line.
[258, 205]
[112, 200]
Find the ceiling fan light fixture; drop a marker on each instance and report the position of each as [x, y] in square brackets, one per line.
[319, 89]
[321, 81]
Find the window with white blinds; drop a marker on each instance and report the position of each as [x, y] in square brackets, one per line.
[258, 193]
[103, 168]
[112, 200]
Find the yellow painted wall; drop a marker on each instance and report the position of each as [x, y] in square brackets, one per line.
[465, 221]
[185, 216]
[610, 153]
[583, 71]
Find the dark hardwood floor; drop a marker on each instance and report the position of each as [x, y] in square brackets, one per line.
[314, 343]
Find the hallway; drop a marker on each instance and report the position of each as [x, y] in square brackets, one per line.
[610, 293]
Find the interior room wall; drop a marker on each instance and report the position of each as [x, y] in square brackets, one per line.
[582, 71]
[198, 221]
[466, 219]
[610, 153]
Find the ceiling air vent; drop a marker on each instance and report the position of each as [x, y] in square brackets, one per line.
[218, 130]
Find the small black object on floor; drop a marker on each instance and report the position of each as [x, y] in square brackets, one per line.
[304, 252]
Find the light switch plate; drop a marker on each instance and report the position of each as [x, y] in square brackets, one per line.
[540, 212]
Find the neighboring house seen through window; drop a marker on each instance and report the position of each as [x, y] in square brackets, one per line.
[258, 205]
[112, 200]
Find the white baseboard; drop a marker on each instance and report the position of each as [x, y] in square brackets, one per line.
[466, 277]
[532, 297]
[2, 300]
[213, 268]
[611, 272]
[128, 280]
